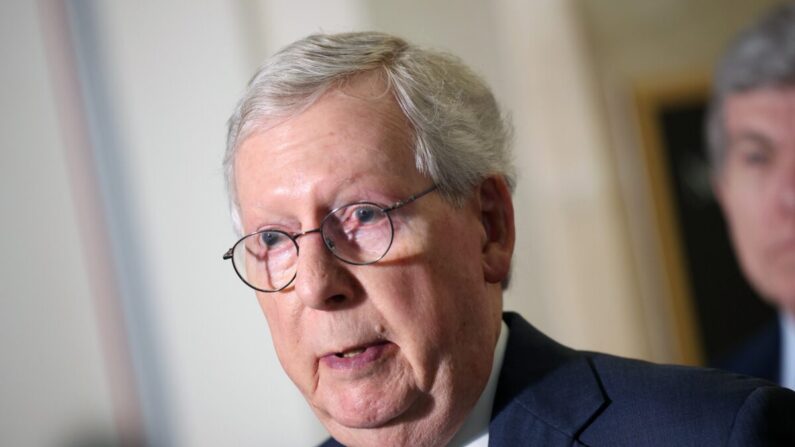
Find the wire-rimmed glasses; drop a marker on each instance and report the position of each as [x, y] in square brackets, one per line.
[359, 233]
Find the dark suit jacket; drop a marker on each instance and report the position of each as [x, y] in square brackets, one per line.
[759, 356]
[550, 395]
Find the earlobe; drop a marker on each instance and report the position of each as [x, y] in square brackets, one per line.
[496, 210]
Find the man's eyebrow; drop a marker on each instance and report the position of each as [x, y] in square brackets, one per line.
[750, 136]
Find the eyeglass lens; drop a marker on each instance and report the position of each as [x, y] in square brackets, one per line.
[359, 233]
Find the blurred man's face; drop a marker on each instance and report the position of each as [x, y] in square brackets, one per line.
[386, 354]
[757, 189]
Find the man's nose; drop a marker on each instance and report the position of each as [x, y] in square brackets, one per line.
[322, 281]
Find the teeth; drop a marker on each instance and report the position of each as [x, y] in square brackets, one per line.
[349, 354]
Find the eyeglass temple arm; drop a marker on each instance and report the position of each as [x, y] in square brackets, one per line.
[408, 200]
[228, 254]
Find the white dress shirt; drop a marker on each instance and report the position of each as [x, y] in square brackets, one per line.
[475, 431]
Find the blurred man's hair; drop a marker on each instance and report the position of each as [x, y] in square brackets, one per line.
[762, 55]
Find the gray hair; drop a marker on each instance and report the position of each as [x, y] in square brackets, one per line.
[763, 55]
[460, 135]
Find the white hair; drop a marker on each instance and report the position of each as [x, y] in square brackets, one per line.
[460, 135]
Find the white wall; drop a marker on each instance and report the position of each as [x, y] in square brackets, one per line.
[175, 70]
[574, 276]
[53, 383]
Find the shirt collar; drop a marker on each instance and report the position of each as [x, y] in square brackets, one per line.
[475, 431]
[787, 323]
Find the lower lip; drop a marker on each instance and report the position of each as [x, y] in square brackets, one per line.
[371, 354]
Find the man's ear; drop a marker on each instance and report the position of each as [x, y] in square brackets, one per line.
[496, 214]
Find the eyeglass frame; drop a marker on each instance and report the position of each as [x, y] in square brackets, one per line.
[229, 254]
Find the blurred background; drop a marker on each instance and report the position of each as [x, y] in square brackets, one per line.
[121, 325]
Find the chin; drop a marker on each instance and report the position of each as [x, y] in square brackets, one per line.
[354, 412]
[403, 419]
[395, 434]
[357, 430]
[362, 421]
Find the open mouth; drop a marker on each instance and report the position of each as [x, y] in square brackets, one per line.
[357, 357]
[350, 353]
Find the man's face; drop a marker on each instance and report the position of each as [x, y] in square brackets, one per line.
[418, 328]
[756, 189]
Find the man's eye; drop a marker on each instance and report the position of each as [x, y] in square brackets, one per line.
[757, 157]
[753, 151]
[366, 214]
[271, 239]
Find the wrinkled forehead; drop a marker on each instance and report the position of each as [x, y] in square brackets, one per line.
[372, 88]
[348, 135]
[765, 114]
[341, 121]
[365, 100]
[760, 102]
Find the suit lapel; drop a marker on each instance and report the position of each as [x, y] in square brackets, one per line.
[547, 393]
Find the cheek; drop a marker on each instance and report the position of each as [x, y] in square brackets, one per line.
[413, 297]
[403, 295]
[745, 235]
[745, 211]
[749, 231]
[750, 199]
[284, 327]
[438, 292]
[270, 311]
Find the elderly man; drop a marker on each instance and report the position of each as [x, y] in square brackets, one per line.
[751, 130]
[372, 180]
